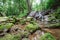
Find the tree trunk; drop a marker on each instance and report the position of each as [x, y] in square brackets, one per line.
[29, 6]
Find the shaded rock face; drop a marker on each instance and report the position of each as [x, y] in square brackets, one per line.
[41, 15]
[35, 14]
[3, 19]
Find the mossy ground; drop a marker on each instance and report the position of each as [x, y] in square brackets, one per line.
[29, 24]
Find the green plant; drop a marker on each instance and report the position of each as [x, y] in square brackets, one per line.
[54, 25]
[6, 26]
[31, 20]
[47, 36]
[56, 14]
[23, 14]
[25, 33]
[11, 37]
[16, 37]
[31, 27]
[22, 21]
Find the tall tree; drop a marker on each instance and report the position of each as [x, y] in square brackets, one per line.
[29, 5]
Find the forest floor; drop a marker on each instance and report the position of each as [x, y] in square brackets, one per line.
[54, 31]
[35, 35]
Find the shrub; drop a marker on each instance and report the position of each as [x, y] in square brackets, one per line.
[11, 37]
[25, 33]
[22, 21]
[6, 26]
[31, 27]
[55, 15]
[47, 36]
[54, 25]
[31, 20]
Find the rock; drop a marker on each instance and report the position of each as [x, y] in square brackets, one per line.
[3, 19]
[35, 14]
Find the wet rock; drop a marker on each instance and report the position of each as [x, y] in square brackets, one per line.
[3, 19]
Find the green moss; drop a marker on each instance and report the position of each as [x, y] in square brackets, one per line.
[16, 37]
[55, 15]
[6, 26]
[11, 37]
[54, 25]
[22, 21]
[25, 33]
[29, 19]
[47, 36]
[31, 27]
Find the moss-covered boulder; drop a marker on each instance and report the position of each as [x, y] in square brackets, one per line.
[31, 27]
[56, 25]
[6, 26]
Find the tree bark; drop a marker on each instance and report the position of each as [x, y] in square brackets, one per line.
[29, 5]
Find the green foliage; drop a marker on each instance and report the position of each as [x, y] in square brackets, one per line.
[55, 18]
[11, 37]
[46, 4]
[6, 26]
[31, 20]
[25, 33]
[55, 15]
[49, 3]
[22, 21]
[23, 14]
[47, 36]
[12, 7]
[54, 25]
[31, 27]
